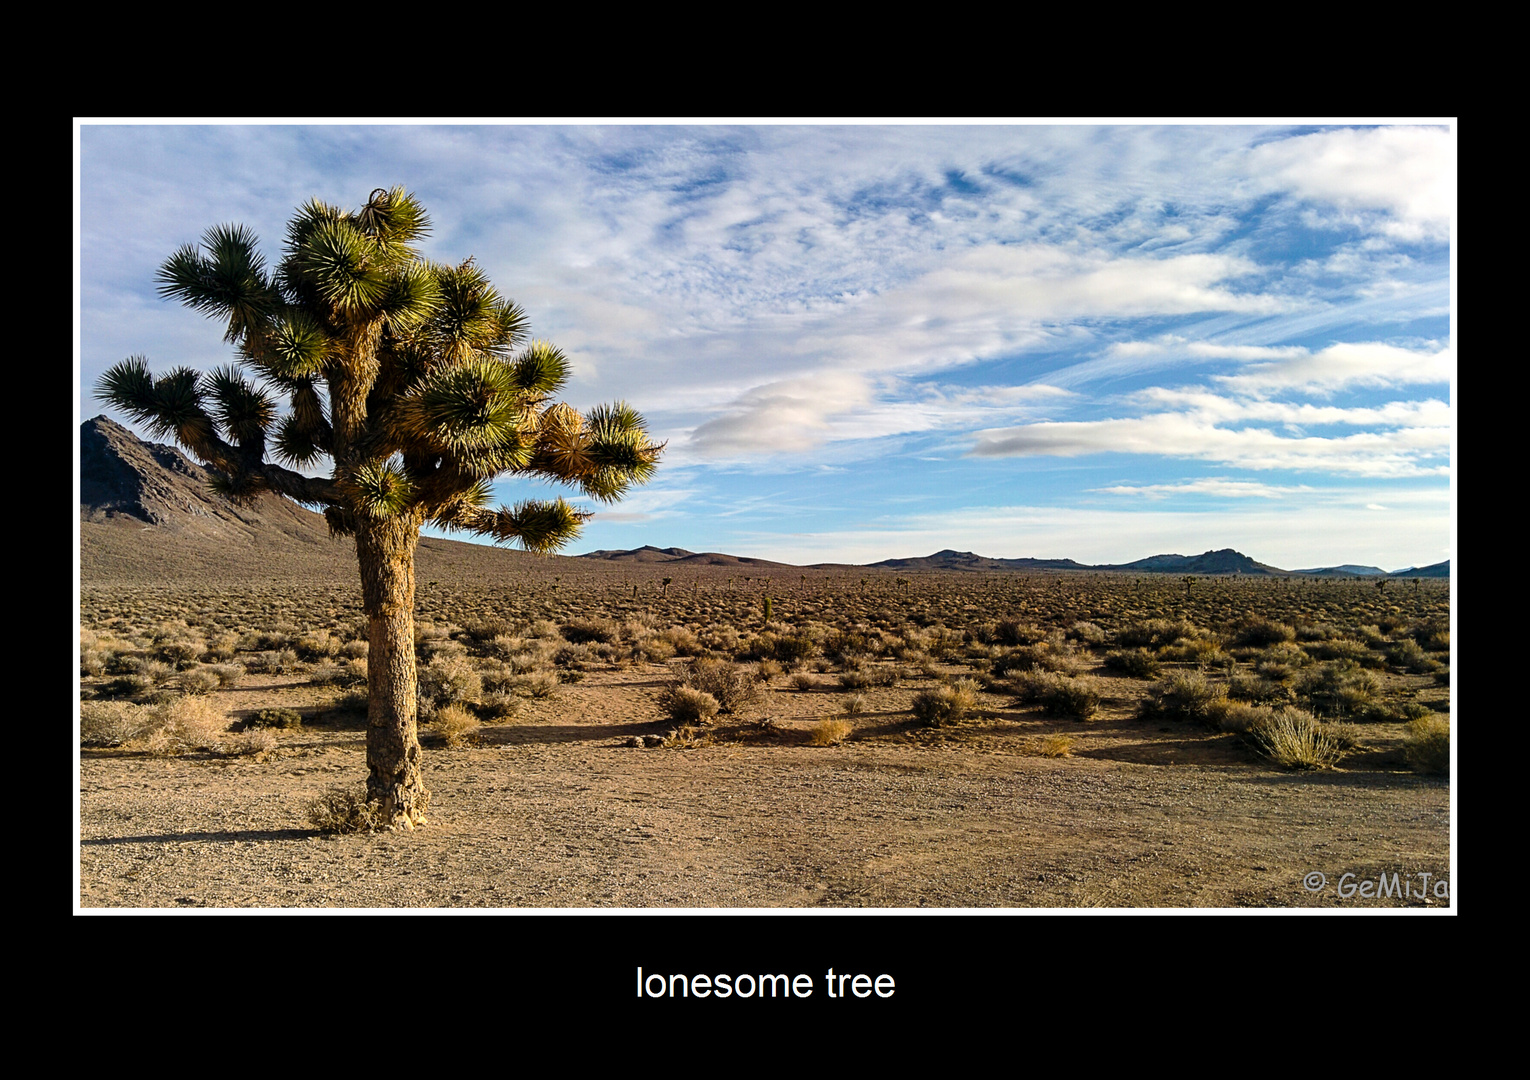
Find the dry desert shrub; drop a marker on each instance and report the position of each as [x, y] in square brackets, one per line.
[256, 743]
[688, 737]
[327, 673]
[1057, 694]
[1412, 658]
[1294, 739]
[455, 725]
[1156, 633]
[732, 687]
[654, 650]
[320, 645]
[229, 675]
[1185, 695]
[945, 704]
[1260, 632]
[342, 810]
[1427, 746]
[1135, 663]
[830, 731]
[272, 662]
[584, 631]
[539, 684]
[499, 705]
[1259, 690]
[1086, 633]
[1042, 656]
[199, 681]
[113, 723]
[1338, 689]
[1016, 632]
[184, 724]
[448, 680]
[1341, 649]
[687, 705]
[683, 641]
[1395, 712]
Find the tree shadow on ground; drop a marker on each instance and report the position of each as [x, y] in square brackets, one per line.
[228, 837]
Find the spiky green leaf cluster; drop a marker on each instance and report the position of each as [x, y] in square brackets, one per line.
[415, 378]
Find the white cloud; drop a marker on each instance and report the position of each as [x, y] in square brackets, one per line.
[1360, 363]
[791, 415]
[1402, 452]
[1213, 486]
[1404, 173]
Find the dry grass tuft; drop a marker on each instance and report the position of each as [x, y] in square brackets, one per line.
[1294, 739]
[830, 731]
[1051, 746]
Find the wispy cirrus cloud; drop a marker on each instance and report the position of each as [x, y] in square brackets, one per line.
[1211, 486]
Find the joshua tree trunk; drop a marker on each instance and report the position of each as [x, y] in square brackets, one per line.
[385, 551]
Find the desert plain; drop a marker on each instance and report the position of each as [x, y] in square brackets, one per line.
[563, 780]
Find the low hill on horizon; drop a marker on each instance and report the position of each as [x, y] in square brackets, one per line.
[148, 514]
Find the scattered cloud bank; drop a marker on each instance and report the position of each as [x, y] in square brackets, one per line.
[937, 308]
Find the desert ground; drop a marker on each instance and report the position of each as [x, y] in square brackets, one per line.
[935, 740]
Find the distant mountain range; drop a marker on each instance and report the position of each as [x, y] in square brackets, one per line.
[146, 513]
[1225, 561]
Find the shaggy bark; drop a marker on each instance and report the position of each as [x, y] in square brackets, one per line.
[385, 551]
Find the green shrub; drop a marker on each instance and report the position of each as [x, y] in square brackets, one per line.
[274, 718]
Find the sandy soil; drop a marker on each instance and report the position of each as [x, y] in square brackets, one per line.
[555, 810]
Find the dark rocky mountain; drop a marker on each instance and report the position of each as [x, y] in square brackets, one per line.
[1225, 561]
[147, 515]
[677, 557]
[645, 554]
[1433, 570]
[966, 560]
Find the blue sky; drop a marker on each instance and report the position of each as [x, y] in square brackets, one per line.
[866, 341]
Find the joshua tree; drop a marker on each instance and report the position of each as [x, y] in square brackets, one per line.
[415, 382]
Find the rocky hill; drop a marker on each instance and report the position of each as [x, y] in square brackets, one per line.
[147, 515]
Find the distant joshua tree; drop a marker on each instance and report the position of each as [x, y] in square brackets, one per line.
[416, 383]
